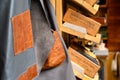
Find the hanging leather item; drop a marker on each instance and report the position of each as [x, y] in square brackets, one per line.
[56, 55]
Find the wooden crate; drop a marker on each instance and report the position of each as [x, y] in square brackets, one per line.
[90, 68]
[77, 18]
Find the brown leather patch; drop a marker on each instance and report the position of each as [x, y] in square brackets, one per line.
[22, 32]
[29, 74]
[56, 55]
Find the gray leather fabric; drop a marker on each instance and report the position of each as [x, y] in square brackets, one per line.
[43, 38]
[11, 67]
[43, 18]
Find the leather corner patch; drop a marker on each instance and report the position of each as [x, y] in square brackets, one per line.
[29, 74]
[56, 55]
[22, 32]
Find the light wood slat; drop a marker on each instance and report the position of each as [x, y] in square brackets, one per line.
[87, 6]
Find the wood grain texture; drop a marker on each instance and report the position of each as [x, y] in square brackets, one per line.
[77, 18]
[88, 7]
[113, 3]
[59, 12]
[101, 20]
[109, 75]
[113, 25]
[56, 55]
[22, 32]
[72, 32]
[91, 2]
[90, 68]
[30, 73]
[95, 39]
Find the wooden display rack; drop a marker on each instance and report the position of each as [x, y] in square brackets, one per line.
[59, 14]
[58, 6]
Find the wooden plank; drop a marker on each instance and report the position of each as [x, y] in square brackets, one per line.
[77, 18]
[95, 39]
[88, 78]
[79, 75]
[101, 20]
[91, 2]
[108, 72]
[89, 67]
[87, 6]
[72, 32]
[78, 70]
[75, 27]
[59, 12]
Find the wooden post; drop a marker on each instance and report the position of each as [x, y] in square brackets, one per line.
[59, 12]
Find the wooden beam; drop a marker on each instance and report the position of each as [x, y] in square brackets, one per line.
[91, 2]
[59, 12]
